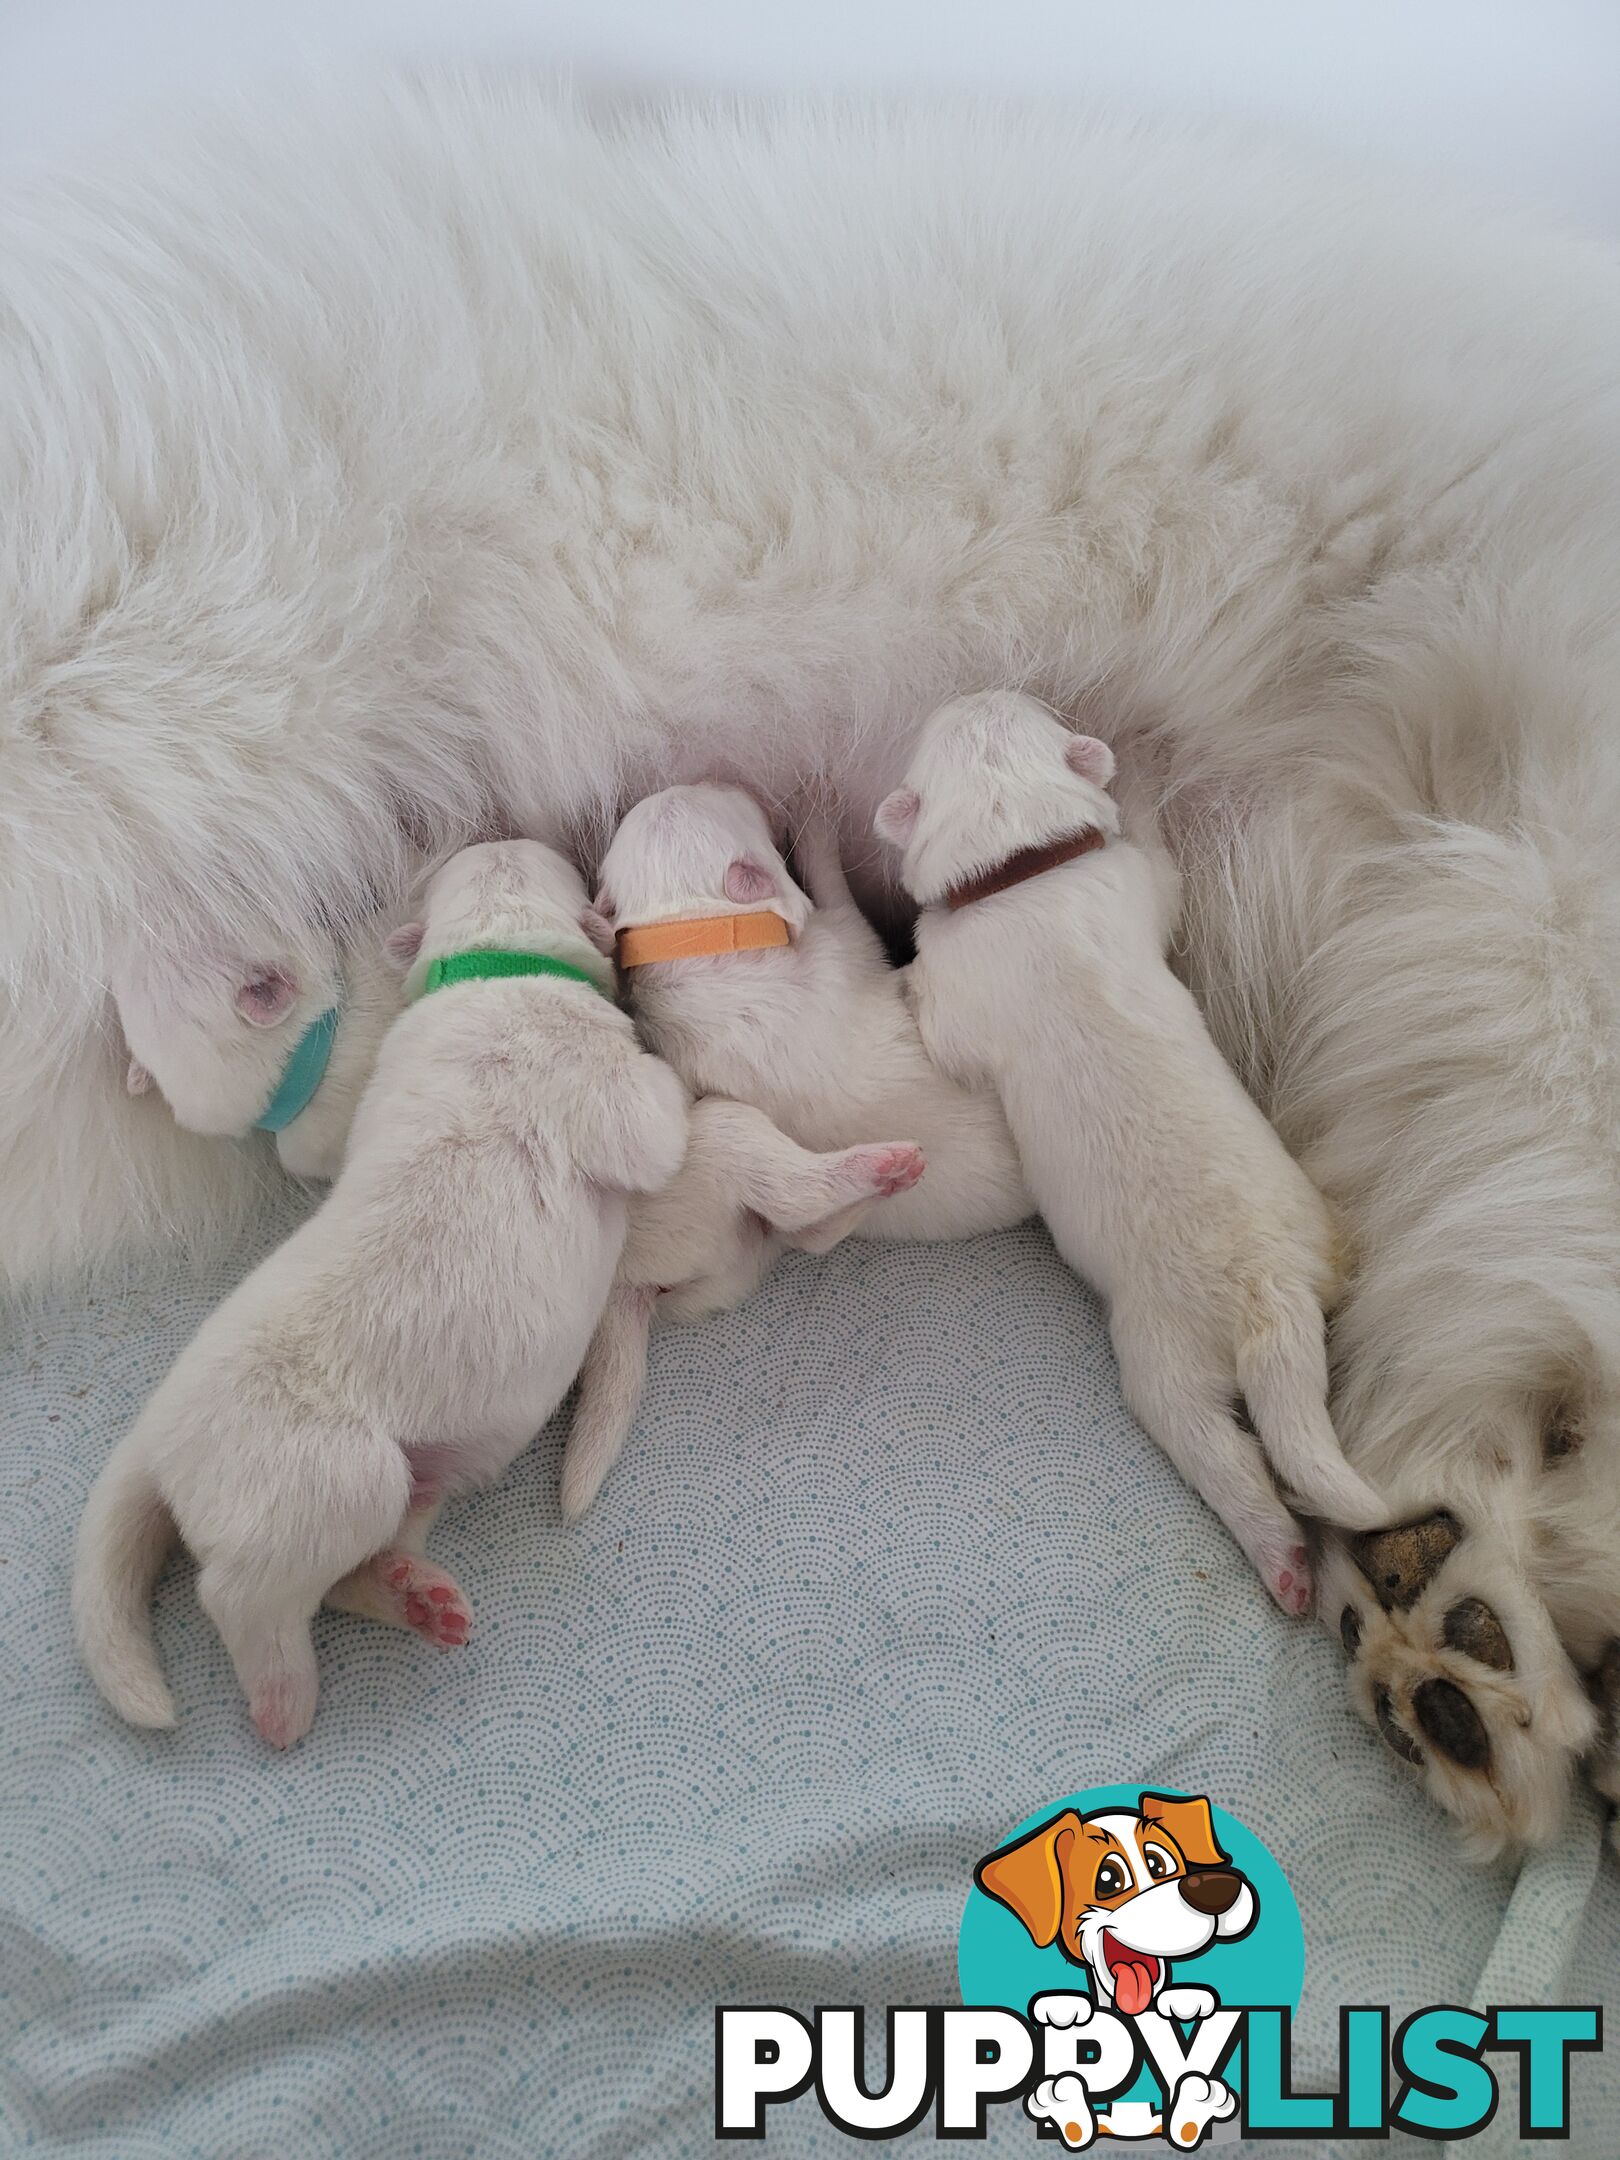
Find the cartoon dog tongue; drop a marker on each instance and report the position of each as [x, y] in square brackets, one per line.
[1133, 1981]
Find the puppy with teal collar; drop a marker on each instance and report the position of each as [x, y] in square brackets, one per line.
[1041, 972]
[414, 1334]
[275, 1034]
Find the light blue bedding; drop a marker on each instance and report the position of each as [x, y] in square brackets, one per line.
[885, 1569]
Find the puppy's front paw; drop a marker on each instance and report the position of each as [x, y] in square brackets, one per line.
[1188, 2004]
[1197, 2102]
[1062, 2010]
[1065, 2104]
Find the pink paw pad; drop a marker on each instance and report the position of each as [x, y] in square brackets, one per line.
[427, 1599]
[892, 1169]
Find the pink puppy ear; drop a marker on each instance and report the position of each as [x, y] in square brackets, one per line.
[137, 1081]
[599, 930]
[1091, 759]
[896, 817]
[404, 943]
[747, 879]
[266, 997]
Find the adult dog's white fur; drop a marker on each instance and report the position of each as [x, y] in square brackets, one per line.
[1159, 1180]
[816, 1033]
[422, 453]
[417, 1331]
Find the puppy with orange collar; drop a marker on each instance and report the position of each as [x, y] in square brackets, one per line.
[756, 989]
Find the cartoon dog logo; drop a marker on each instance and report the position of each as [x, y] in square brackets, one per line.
[1123, 1893]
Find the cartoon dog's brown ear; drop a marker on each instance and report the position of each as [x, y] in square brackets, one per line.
[1190, 1823]
[1028, 1877]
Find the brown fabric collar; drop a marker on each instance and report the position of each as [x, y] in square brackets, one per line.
[1030, 862]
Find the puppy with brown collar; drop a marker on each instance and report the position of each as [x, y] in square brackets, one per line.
[1040, 972]
[756, 989]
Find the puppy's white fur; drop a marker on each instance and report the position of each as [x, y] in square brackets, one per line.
[1159, 1179]
[416, 1332]
[745, 1192]
[418, 454]
[817, 1034]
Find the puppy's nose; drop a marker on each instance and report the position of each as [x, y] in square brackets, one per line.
[1212, 1890]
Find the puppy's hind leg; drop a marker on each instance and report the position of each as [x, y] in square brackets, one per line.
[402, 1589]
[266, 1629]
[1186, 1413]
[263, 1594]
[813, 1199]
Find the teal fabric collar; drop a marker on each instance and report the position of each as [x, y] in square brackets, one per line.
[303, 1074]
[491, 966]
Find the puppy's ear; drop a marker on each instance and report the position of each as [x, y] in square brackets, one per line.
[1091, 759]
[1027, 1877]
[599, 930]
[266, 996]
[403, 943]
[896, 818]
[747, 879]
[1190, 1824]
[137, 1081]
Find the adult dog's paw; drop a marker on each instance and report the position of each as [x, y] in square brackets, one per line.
[1455, 1662]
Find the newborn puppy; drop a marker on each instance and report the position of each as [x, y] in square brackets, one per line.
[1040, 971]
[752, 992]
[281, 1038]
[745, 1190]
[417, 1331]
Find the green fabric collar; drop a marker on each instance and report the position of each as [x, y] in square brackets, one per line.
[491, 966]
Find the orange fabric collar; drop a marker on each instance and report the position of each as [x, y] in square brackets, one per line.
[699, 936]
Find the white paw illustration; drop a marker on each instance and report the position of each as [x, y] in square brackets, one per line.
[1065, 2104]
[1187, 2003]
[1197, 2102]
[1061, 2010]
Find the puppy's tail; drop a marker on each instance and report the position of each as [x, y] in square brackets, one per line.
[1281, 1356]
[122, 1541]
[610, 1384]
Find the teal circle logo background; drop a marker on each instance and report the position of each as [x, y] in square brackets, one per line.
[998, 1963]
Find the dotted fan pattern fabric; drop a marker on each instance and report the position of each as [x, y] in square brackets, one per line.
[884, 1568]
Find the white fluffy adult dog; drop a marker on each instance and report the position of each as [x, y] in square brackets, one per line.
[1040, 972]
[431, 453]
[412, 1337]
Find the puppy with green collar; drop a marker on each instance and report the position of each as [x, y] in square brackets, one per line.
[412, 1337]
[1041, 972]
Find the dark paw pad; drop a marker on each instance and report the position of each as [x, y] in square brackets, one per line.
[1396, 1735]
[1474, 1629]
[1350, 1630]
[1401, 1563]
[1452, 1723]
[1561, 1436]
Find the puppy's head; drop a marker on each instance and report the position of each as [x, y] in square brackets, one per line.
[991, 775]
[213, 1025]
[695, 851]
[1124, 1891]
[502, 895]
